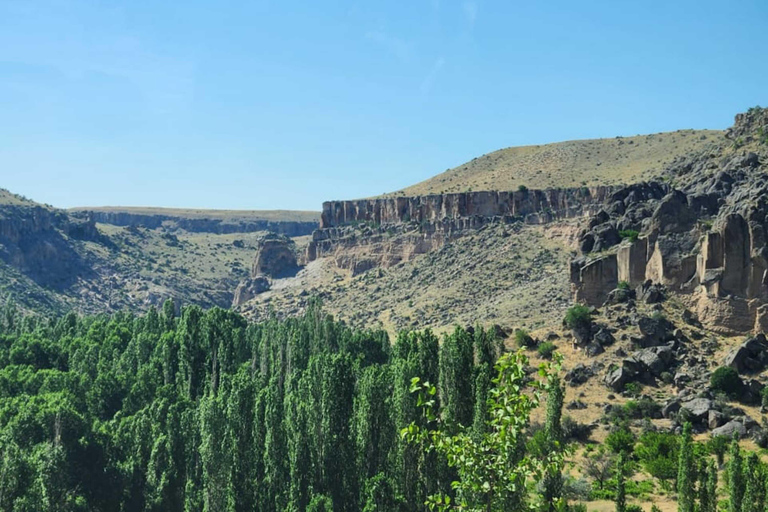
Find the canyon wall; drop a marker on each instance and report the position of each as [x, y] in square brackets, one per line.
[369, 233]
[203, 224]
[532, 206]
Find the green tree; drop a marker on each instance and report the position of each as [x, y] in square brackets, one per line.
[753, 485]
[492, 472]
[621, 476]
[735, 478]
[685, 478]
[553, 477]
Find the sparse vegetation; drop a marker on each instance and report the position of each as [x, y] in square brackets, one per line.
[629, 234]
[546, 349]
[578, 316]
[726, 380]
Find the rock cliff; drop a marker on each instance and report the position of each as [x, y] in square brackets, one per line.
[202, 224]
[35, 240]
[368, 233]
[531, 206]
[704, 237]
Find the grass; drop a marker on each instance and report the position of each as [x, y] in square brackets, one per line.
[569, 164]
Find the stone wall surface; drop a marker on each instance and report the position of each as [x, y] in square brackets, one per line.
[534, 206]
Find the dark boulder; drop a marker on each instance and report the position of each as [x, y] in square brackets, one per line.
[655, 330]
[749, 357]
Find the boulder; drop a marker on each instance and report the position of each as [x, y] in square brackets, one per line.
[698, 408]
[650, 292]
[750, 356]
[656, 360]
[579, 374]
[671, 408]
[604, 337]
[249, 288]
[656, 331]
[733, 427]
[716, 419]
[594, 349]
[672, 215]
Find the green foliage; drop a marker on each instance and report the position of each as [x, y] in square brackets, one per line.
[201, 411]
[685, 473]
[546, 349]
[492, 472]
[623, 285]
[621, 475]
[658, 452]
[633, 388]
[736, 482]
[522, 188]
[629, 234]
[717, 446]
[578, 316]
[523, 339]
[621, 440]
[726, 380]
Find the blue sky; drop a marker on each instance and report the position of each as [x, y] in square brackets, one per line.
[280, 104]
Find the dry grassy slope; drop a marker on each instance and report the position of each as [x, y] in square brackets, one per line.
[191, 213]
[506, 275]
[8, 198]
[568, 164]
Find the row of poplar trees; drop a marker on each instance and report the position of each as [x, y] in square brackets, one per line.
[202, 411]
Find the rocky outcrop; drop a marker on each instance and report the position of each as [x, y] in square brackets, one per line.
[236, 224]
[275, 257]
[531, 206]
[36, 240]
[249, 288]
[705, 237]
[370, 233]
[596, 278]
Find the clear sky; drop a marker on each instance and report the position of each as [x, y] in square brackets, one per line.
[283, 104]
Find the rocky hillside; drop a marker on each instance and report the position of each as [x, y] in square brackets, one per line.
[286, 222]
[701, 233]
[54, 260]
[591, 163]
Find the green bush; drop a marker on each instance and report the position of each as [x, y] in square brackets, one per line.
[578, 316]
[633, 388]
[621, 440]
[522, 188]
[546, 349]
[634, 508]
[523, 339]
[623, 285]
[629, 234]
[726, 380]
[658, 453]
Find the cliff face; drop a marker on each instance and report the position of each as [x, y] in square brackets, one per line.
[33, 239]
[203, 225]
[533, 206]
[707, 238]
[369, 233]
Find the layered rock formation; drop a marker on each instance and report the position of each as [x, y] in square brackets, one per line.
[706, 237]
[201, 224]
[531, 206]
[275, 256]
[368, 233]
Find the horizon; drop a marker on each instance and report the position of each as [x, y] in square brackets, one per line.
[265, 106]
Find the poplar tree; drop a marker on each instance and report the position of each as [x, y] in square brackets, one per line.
[752, 484]
[553, 478]
[621, 475]
[735, 477]
[685, 478]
